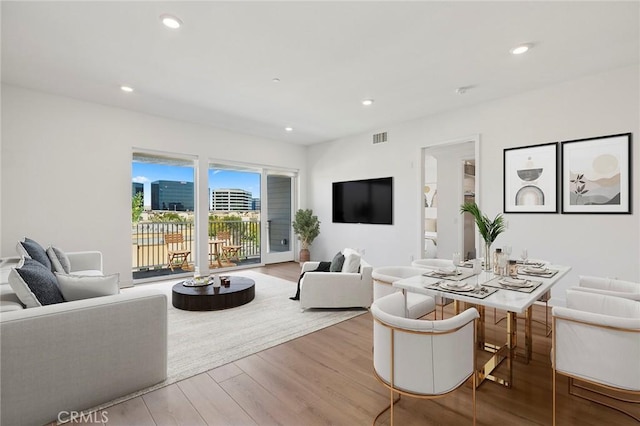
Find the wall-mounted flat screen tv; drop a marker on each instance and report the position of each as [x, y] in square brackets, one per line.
[363, 201]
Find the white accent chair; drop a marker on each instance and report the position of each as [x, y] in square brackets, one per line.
[422, 359]
[418, 305]
[336, 289]
[609, 287]
[596, 339]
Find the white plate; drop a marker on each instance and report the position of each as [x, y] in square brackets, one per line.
[534, 270]
[515, 283]
[457, 286]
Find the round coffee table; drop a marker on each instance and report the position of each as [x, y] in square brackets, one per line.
[209, 298]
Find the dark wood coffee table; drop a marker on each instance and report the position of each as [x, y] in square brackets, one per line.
[209, 298]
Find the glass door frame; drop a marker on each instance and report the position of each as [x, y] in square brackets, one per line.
[284, 256]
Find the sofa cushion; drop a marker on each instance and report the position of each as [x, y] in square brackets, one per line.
[77, 287]
[337, 262]
[34, 284]
[351, 263]
[59, 260]
[31, 249]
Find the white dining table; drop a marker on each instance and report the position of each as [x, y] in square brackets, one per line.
[512, 301]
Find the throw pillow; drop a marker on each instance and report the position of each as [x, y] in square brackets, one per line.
[351, 263]
[31, 249]
[59, 260]
[34, 284]
[337, 262]
[77, 287]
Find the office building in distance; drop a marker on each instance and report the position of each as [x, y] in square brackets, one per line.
[172, 195]
[230, 200]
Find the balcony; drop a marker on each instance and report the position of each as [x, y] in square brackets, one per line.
[149, 252]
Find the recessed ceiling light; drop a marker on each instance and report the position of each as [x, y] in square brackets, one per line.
[171, 21]
[520, 49]
[126, 89]
[367, 102]
[288, 129]
[275, 80]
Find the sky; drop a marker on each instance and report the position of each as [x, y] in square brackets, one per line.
[146, 173]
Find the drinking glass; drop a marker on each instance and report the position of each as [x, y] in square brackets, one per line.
[507, 250]
[456, 260]
[524, 256]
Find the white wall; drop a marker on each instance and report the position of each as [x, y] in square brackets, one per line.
[66, 169]
[596, 105]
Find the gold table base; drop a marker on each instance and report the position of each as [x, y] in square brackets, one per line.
[508, 351]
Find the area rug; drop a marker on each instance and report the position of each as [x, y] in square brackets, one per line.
[201, 341]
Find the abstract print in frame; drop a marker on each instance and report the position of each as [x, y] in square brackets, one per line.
[596, 175]
[531, 179]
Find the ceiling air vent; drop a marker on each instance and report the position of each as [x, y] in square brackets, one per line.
[380, 137]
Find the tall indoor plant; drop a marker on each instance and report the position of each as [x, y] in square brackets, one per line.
[307, 227]
[489, 229]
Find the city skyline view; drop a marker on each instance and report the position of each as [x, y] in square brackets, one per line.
[145, 173]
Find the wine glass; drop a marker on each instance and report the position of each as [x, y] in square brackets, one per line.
[524, 255]
[456, 260]
[507, 250]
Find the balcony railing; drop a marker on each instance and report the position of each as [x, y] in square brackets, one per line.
[150, 252]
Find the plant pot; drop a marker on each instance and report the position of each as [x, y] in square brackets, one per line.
[305, 255]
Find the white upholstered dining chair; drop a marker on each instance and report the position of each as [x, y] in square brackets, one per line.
[418, 358]
[418, 305]
[596, 339]
[609, 287]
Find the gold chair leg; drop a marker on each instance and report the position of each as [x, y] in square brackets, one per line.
[390, 406]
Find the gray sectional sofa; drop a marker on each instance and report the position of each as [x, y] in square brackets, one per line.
[72, 356]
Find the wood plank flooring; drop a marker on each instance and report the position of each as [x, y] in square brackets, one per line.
[326, 378]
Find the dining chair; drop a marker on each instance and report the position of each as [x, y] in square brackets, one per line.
[418, 305]
[609, 287]
[596, 340]
[419, 358]
[177, 253]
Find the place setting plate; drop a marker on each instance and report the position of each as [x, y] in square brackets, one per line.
[449, 274]
[537, 271]
[515, 282]
[457, 286]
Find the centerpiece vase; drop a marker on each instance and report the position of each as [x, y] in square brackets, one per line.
[487, 256]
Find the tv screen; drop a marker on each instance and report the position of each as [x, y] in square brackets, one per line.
[363, 201]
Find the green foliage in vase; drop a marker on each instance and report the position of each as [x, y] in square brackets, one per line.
[306, 226]
[489, 229]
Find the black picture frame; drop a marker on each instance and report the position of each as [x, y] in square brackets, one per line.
[601, 167]
[530, 179]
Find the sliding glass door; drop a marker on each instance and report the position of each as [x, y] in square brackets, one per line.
[162, 215]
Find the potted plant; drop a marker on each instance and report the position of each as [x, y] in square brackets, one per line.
[489, 229]
[307, 227]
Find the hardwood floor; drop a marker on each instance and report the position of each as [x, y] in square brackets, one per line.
[326, 378]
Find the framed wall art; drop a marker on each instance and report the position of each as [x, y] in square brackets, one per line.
[596, 175]
[531, 179]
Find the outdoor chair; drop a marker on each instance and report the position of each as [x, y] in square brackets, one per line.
[229, 250]
[177, 253]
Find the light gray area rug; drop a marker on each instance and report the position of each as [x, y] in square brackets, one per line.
[201, 341]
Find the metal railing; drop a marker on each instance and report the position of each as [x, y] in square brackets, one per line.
[150, 252]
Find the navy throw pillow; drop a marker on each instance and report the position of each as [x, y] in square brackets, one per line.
[30, 248]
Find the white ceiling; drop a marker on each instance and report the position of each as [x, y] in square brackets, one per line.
[218, 68]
